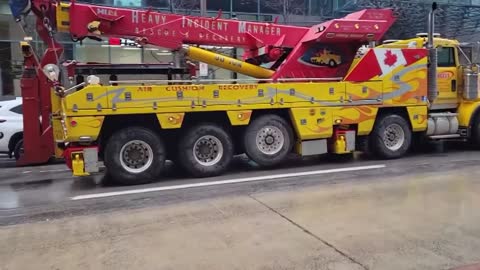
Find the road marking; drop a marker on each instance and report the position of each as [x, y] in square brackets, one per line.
[58, 170]
[224, 182]
[25, 172]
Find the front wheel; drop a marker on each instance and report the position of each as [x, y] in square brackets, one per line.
[205, 150]
[391, 137]
[135, 155]
[475, 134]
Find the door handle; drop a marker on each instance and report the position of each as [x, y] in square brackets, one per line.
[454, 85]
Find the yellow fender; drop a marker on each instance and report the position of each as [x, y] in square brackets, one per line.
[418, 116]
[466, 111]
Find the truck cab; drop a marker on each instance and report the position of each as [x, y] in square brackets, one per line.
[449, 68]
[457, 82]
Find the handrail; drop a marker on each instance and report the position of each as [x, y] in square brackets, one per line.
[223, 80]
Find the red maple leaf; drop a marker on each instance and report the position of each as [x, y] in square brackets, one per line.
[390, 58]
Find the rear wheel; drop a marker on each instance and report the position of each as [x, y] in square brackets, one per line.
[135, 155]
[268, 140]
[205, 150]
[391, 137]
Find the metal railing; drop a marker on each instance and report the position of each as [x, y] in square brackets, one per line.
[197, 81]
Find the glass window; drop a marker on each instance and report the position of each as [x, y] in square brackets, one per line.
[296, 7]
[68, 51]
[217, 5]
[465, 56]
[6, 69]
[245, 6]
[446, 57]
[99, 2]
[157, 56]
[340, 3]
[17, 109]
[125, 55]
[9, 29]
[127, 3]
[318, 8]
[157, 3]
[88, 52]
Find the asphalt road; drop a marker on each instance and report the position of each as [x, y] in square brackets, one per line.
[42, 193]
[419, 212]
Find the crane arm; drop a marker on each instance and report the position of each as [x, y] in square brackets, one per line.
[173, 30]
[262, 41]
[298, 52]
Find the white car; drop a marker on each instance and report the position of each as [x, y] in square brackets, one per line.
[11, 126]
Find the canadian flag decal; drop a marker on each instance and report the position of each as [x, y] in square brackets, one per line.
[381, 61]
[389, 59]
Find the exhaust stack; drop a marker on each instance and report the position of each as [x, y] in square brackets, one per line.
[432, 51]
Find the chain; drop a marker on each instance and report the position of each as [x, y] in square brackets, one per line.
[51, 34]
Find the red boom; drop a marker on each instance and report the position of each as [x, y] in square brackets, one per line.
[264, 42]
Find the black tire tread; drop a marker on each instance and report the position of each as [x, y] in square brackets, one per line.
[186, 160]
[250, 140]
[475, 132]
[375, 144]
[112, 161]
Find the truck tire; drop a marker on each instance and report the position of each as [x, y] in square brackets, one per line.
[205, 150]
[268, 140]
[391, 137]
[475, 133]
[135, 155]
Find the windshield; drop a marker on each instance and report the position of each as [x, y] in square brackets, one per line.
[465, 55]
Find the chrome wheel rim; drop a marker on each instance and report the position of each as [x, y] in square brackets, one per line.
[208, 150]
[270, 140]
[394, 137]
[136, 156]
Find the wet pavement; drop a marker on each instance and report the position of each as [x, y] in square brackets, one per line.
[419, 212]
[29, 194]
